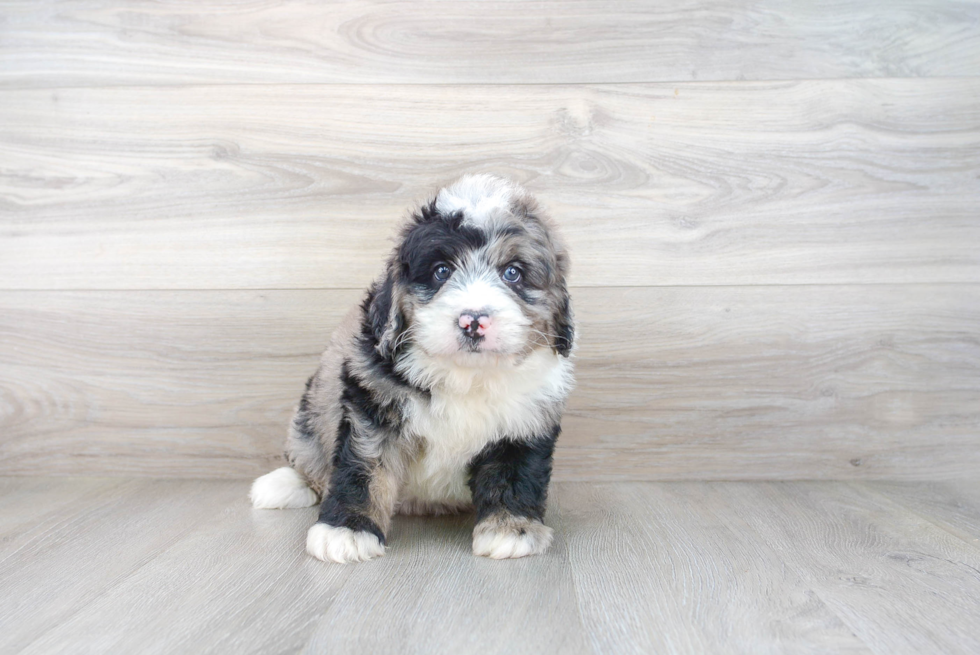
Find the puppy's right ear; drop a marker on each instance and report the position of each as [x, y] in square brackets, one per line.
[383, 314]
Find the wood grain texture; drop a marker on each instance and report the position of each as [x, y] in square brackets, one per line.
[180, 566]
[98, 43]
[860, 382]
[25, 502]
[953, 505]
[69, 557]
[429, 594]
[788, 382]
[902, 584]
[662, 568]
[239, 583]
[230, 187]
[131, 382]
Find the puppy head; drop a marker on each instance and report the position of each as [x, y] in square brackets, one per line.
[478, 273]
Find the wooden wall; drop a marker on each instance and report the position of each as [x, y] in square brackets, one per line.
[773, 208]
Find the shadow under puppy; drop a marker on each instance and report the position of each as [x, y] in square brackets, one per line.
[444, 390]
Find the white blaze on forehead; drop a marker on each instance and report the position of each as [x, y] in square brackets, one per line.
[478, 293]
[478, 197]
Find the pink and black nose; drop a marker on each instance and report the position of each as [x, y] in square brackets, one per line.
[474, 324]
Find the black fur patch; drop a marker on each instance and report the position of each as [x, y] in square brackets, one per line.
[349, 499]
[564, 330]
[384, 366]
[513, 476]
[360, 400]
[432, 238]
[303, 421]
[376, 309]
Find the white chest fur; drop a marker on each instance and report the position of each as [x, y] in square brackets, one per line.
[471, 407]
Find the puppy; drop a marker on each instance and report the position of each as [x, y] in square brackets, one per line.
[443, 392]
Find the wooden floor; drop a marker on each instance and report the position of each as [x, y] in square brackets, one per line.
[128, 565]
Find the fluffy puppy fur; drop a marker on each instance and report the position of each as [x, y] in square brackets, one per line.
[443, 392]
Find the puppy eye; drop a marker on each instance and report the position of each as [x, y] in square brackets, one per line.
[511, 274]
[441, 272]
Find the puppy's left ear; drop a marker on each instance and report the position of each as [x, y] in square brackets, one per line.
[563, 323]
[383, 315]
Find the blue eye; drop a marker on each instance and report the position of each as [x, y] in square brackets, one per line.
[511, 274]
[441, 272]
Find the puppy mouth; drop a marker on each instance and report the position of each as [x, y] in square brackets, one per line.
[477, 347]
[467, 347]
[475, 344]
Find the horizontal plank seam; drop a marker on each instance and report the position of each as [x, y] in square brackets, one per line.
[4, 86]
[572, 288]
[610, 478]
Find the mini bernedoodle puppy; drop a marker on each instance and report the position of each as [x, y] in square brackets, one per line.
[444, 391]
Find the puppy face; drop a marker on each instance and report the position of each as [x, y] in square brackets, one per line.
[478, 274]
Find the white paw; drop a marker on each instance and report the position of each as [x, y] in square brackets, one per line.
[510, 538]
[342, 545]
[283, 488]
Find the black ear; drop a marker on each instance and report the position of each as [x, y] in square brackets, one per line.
[383, 315]
[563, 324]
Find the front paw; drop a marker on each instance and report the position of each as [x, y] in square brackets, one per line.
[342, 545]
[503, 536]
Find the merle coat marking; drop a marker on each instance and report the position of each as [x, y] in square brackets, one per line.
[444, 390]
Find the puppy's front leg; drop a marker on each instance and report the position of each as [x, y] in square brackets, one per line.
[509, 482]
[357, 508]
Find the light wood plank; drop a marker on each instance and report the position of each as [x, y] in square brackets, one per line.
[777, 383]
[870, 181]
[240, 583]
[661, 568]
[93, 43]
[430, 594]
[28, 501]
[130, 383]
[67, 560]
[866, 382]
[953, 505]
[899, 582]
